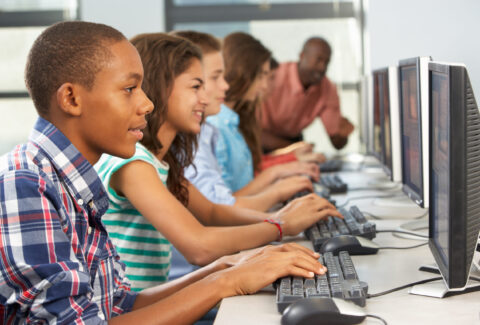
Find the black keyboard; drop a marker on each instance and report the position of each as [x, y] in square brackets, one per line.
[324, 193]
[340, 281]
[333, 183]
[332, 165]
[354, 223]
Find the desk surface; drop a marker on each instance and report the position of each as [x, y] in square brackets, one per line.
[385, 270]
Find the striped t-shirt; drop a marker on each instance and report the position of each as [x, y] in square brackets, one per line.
[143, 249]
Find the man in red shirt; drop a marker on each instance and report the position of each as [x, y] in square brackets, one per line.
[301, 92]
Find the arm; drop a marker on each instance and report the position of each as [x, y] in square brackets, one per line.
[139, 183]
[278, 192]
[200, 245]
[270, 175]
[271, 142]
[154, 306]
[39, 256]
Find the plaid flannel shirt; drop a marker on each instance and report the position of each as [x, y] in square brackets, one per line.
[57, 264]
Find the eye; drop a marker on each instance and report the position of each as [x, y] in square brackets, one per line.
[130, 89]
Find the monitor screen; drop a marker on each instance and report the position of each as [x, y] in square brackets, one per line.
[412, 158]
[439, 206]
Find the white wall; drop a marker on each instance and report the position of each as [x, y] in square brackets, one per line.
[444, 29]
[129, 17]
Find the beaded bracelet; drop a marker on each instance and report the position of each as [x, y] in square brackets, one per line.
[278, 224]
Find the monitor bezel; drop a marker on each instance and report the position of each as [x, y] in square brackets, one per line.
[421, 64]
[377, 155]
[455, 274]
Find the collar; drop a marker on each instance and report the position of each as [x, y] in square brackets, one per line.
[226, 116]
[294, 80]
[76, 172]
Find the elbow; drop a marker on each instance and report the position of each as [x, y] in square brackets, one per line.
[201, 256]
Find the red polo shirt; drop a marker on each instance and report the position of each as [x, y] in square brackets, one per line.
[289, 108]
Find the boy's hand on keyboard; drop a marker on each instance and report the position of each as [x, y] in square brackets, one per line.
[303, 212]
[289, 186]
[295, 168]
[270, 263]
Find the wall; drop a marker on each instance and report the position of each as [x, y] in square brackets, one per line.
[443, 29]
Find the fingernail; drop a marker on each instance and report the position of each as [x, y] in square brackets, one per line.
[317, 255]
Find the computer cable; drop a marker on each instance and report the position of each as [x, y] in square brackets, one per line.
[374, 295]
[377, 317]
[365, 197]
[406, 247]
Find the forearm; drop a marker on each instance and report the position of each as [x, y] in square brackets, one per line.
[152, 295]
[211, 243]
[226, 215]
[272, 142]
[258, 184]
[260, 202]
[182, 307]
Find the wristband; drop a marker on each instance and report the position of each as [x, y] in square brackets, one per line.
[278, 224]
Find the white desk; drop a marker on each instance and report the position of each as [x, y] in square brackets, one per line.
[383, 271]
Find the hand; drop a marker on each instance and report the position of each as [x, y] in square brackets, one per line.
[296, 168]
[303, 212]
[312, 157]
[301, 147]
[345, 128]
[289, 186]
[267, 265]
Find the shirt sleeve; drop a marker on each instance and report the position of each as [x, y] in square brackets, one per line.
[206, 175]
[271, 160]
[223, 159]
[42, 278]
[331, 115]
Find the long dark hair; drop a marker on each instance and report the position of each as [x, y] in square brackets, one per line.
[164, 58]
[244, 56]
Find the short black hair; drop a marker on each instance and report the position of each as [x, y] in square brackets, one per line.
[71, 51]
[316, 39]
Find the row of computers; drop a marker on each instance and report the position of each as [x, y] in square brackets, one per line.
[421, 121]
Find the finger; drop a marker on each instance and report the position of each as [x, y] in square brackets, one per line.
[299, 248]
[308, 264]
[329, 213]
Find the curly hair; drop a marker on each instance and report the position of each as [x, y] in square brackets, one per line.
[244, 56]
[164, 58]
[71, 51]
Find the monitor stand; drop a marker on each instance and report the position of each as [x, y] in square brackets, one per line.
[438, 289]
[394, 202]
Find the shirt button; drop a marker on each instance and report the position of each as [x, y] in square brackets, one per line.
[89, 230]
[80, 201]
[90, 204]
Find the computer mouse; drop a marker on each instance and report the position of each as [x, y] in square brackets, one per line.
[319, 311]
[354, 245]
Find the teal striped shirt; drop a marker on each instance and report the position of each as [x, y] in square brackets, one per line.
[144, 250]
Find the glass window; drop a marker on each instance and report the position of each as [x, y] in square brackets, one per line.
[18, 116]
[16, 43]
[38, 5]
[244, 2]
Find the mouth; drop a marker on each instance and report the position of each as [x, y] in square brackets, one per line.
[199, 114]
[137, 131]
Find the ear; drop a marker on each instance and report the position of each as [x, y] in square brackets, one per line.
[69, 99]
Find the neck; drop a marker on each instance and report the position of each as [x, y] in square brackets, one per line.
[230, 104]
[166, 135]
[302, 78]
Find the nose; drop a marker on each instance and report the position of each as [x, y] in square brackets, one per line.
[224, 84]
[202, 96]
[146, 106]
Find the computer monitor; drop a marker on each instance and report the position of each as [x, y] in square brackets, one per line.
[386, 81]
[377, 141]
[366, 115]
[413, 94]
[454, 216]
